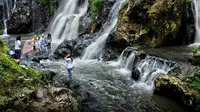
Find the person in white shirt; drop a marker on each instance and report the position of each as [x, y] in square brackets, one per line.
[18, 47]
[69, 64]
[39, 42]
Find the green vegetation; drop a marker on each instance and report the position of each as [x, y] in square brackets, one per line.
[1, 31]
[196, 50]
[194, 81]
[50, 3]
[14, 78]
[95, 6]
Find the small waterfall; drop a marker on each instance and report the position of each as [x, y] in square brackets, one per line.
[123, 57]
[94, 50]
[8, 9]
[196, 12]
[65, 23]
[151, 67]
[148, 68]
[130, 61]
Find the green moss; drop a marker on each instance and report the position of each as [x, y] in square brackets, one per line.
[12, 77]
[196, 50]
[1, 31]
[49, 3]
[95, 6]
[3, 47]
[194, 81]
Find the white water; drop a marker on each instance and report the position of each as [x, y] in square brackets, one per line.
[65, 23]
[196, 12]
[8, 9]
[124, 55]
[94, 50]
[149, 68]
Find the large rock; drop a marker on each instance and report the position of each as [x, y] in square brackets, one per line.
[30, 16]
[178, 90]
[153, 23]
[50, 100]
[76, 46]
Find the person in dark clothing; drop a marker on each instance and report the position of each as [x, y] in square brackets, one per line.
[18, 47]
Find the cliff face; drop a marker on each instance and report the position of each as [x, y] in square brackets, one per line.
[153, 23]
[30, 16]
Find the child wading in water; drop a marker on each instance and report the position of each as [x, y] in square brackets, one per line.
[69, 64]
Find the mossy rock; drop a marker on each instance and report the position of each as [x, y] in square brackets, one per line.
[177, 90]
[152, 23]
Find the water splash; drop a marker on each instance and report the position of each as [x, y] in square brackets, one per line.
[65, 23]
[94, 51]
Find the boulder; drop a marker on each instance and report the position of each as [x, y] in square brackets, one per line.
[154, 23]
[31, 16]
[55, 100]
[178, 90]
[135, 75]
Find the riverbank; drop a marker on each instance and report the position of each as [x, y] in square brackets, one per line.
[29, 90]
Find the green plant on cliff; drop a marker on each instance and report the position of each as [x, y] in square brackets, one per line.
[13, 78]
[194, 81]
[95, 6]
[50, 3]
[195, 51]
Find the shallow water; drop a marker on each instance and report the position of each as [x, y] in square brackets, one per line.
[106, 87]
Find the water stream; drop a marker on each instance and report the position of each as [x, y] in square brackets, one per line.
[94, 51]
[105, 87]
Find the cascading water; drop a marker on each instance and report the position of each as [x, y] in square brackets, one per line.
[94, 50]
[149, 68]
[123, 57]
[8, 9]
[196, 12]
[65, 23]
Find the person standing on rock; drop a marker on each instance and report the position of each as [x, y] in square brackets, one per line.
[34, 42]
[39, 42]
[69, 64]
[18, 47]
[49, 39]
[42, 42]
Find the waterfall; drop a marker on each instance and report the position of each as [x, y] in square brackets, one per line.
[196, 12]
[65, 23]
[130, 61]
[8, 9]
[149, 68]
[123, 57]
[94, 50]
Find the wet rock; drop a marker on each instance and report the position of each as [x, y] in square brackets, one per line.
[176, 89]
[31, 16]
[195, 60]
[75, 46]
[20, 21]
[47, 77]
[39, 58]
[19, 105]
[135, 75]
[56, 100]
